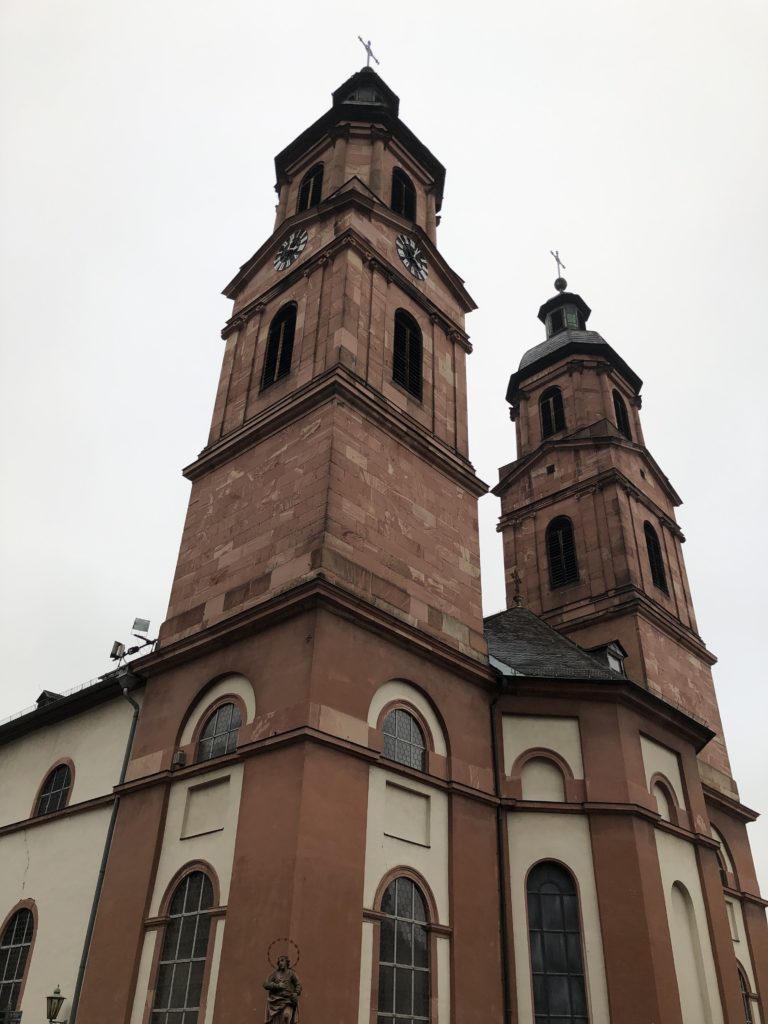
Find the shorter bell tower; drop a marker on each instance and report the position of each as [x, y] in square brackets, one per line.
[588, 516]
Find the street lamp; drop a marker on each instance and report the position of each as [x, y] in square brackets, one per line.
[54, 1003]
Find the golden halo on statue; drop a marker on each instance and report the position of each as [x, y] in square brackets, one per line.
[283, 952]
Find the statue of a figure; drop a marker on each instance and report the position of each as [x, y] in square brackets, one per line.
[284, 989]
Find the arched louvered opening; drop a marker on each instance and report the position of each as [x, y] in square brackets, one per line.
[180, 973]
[404, 739]
[403, 195]
[557, 968]
[55, 791]
[403, 955]
[15, 943]
[406, 362]
[311, 188]
[655, 560]
[277, 360]
[622, 416]
[552, 412]
[561, 551]
[746, 996]
[219, 735]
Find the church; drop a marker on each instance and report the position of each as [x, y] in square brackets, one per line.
[334, 791]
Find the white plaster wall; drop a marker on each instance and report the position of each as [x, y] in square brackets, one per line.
[397, 689]
[216, 847]
[677, 861]
[366, 977]
[741, 951]
[657, 758]
[233, 683]
[151, 937]
[523, 732]
[94, 740]
[56, 865]
[564, 838]
[384, 852]
[542, 780]
[214, 842]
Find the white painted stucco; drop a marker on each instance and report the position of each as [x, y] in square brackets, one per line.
[216, 844]
[56, 865]
[525, 732]
[657, 758]
[542, 780]
[93, 740]
[388, 795]
[694, 964]
[565, 838]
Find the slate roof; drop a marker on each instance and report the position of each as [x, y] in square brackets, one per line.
[558, 341]
[528, 645]
[564, 343]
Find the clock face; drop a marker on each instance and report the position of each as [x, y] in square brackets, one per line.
[413, 258]
[290, 249]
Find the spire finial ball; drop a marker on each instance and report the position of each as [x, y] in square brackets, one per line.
[561, 284]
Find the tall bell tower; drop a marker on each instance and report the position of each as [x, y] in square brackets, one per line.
[343, 381]
[328, 576]
[588, 520]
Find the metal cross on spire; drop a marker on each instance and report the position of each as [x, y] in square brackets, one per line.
[368, 51]
[558, 261]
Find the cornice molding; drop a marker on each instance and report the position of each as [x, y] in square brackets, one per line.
[356, 196]
[636, 601]
[597, 482]
[318, 592]
[728, 804]
[339, 383]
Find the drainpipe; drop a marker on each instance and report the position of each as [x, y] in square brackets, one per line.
[504, 672]
[127, 681]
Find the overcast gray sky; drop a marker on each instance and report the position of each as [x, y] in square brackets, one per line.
[136, 175]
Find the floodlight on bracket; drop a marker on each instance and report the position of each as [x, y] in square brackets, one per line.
[120, 652]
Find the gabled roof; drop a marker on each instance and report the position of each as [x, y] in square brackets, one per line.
[364, 97]
[528, 645]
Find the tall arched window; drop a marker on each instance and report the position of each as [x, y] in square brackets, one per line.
[219, 735]
[311, 188]
[179, 985]
[403, 956]
[277, 361]
[406, 361]
[551, 410]
[656, 562]
[561, 552]
[559, 993]
[404, 740]
[403, 195]
[55, 791]
[14, 953]
[622, 416]
[746, 996]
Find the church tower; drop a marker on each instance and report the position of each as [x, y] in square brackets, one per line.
[436, 818]
[290, 755]
[588, 520]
